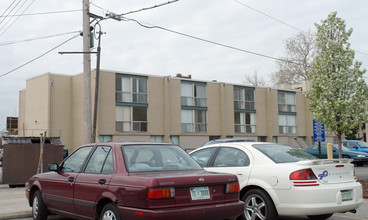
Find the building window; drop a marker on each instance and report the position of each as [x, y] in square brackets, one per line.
[287, 101]
[174, 139]
[244, 98]
[245, 122]
[193, 94]
[193, 107]
[287, 112]
[157, 138]
[131, 89]
[275, 139]
[104, 138]
[130, 119]
[131, 103]
[193, 120]
[245, 114]
[287, 124]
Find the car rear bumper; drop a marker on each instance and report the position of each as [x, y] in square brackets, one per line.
[213, 212]
[320, 200]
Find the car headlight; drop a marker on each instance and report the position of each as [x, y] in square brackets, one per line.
[359, 155]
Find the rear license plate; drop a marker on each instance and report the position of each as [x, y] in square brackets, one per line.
[198, 193]
[346, 196]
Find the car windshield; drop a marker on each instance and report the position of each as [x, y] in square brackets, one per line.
[151, 158]
[283, 154]
[362, 144]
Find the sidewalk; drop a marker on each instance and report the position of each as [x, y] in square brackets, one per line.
[13, 203]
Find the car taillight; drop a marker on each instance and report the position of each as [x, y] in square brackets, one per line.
[304, 177]
[306, 174]
[161, 193]
[232, 188]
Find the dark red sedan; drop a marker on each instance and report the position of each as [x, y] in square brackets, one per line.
[133, 181]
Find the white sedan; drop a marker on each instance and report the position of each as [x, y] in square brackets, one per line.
[281, 180]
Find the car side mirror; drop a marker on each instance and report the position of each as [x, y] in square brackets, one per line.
[54, 167]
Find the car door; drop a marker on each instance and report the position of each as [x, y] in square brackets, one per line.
[58, 189]
[232, 160]
[93, 181]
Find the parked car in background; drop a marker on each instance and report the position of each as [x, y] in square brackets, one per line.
[227, 140]
[278, 180]
[359, 158]
[356, 145]
[133, 181]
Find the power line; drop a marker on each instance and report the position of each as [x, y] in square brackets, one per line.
[17, 17]
[43, 13]
[6, 10]
[155, 6]
[9, 11]
[37, 38]
[40, 55]
[282, 22]
[211, 42]
[269, 16]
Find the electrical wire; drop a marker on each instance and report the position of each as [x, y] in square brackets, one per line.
[10, 11]
[17, 17]
[6, 11]
[44, 13]
[269, 16]
[282, 22]
[211, 42]
[38, 38]
[155, 6]
[40, 55]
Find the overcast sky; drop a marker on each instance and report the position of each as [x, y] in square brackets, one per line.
[253, 26]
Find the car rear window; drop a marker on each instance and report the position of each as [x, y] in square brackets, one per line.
[151, 158]
[283, 154]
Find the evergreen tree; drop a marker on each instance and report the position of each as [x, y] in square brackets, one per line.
[339, 92]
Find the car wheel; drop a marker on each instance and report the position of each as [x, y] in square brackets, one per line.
[319, 217]
[110, 212]
[258, 206]
[39, 210]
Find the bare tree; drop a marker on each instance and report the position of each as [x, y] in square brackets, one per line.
[254, 80]
[300, 51]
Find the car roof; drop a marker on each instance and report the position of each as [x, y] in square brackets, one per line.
[228, 140]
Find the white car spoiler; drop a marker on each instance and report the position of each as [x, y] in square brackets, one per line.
[324, 161]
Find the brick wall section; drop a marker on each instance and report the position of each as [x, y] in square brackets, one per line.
[364, 183]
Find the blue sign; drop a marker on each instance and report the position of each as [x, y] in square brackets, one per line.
[318, 132]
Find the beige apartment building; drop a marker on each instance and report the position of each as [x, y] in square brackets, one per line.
[181, 110]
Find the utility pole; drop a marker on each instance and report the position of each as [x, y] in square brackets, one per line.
[87, 104]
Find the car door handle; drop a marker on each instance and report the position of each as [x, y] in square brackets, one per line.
[71, 179]
[102, 181]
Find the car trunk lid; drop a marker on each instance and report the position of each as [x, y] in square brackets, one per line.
[192, 188]
[332, 171]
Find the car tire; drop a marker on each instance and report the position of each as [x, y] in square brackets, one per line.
[319, 217]
[258, 206]
[39, 210]
[110, 212]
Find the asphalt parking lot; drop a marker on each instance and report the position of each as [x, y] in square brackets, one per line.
[362, 211]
